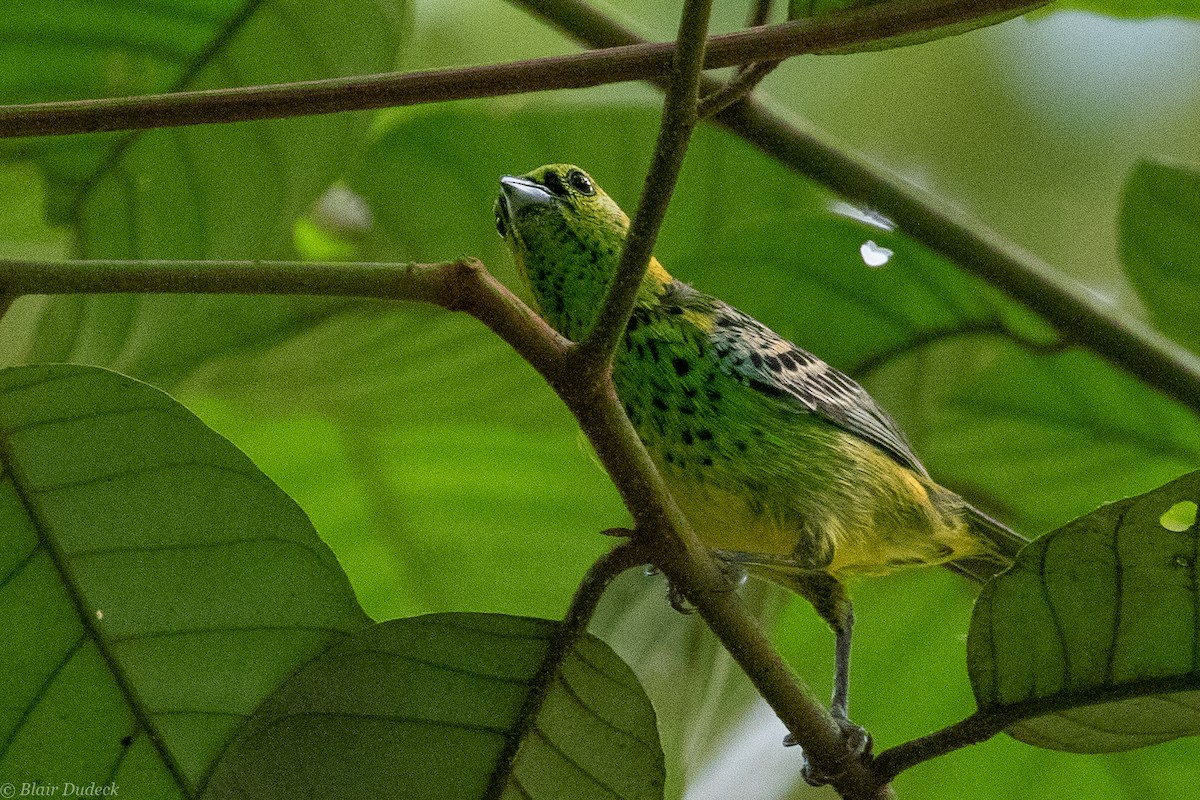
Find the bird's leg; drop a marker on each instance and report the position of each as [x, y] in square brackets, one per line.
[828, 597]
[839, 706]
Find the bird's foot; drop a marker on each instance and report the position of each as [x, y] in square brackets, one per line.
[858, 748]
[677, 600]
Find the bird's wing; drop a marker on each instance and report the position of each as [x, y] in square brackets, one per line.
[755, 355]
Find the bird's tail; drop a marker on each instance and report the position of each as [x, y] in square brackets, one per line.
[1004, 543]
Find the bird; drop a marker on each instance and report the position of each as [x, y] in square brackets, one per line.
[784, 466]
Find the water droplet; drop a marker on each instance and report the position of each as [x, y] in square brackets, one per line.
[873, 255]
[342, 211]
[1179, 517]
[863, 215]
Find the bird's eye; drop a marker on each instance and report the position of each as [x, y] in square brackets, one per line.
[581, 183]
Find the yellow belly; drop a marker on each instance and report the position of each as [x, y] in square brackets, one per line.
[886, 521]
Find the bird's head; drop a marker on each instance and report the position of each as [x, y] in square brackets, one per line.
[565, 235]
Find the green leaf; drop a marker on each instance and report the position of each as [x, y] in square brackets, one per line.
[1160, 245]
[1092, 640]
[1134, 8]
[804, 9]
[155, 587]
[425, 707]
[213, 191]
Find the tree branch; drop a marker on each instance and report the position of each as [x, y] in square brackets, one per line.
[1077, 315]
[458, 286]
[674, 133]
[663, 529]
[640, 61]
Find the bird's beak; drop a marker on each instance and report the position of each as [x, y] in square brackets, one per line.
[517, 193]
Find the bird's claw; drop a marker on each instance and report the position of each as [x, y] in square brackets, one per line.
[678, 601]
[858, 748]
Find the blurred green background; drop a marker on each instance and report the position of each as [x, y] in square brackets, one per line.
[441, 471]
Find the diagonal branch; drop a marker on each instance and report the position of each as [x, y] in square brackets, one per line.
[637, 61]
[674, 133]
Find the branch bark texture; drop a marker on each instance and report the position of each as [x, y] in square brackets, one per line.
[638, 61]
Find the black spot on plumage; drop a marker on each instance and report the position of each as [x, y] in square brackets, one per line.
[669, 456]
[723, 352]
[687, 409]
[676, 310]
[706, 461]
[681, 365]
[690, 393]
[772, 363]
[687, 437]
[634, 324]
[705, 435]
[756, 359]
[713, 395]
[786, 361]
[740, 445]
[658, 403]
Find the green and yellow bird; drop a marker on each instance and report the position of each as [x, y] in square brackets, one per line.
[781, 463]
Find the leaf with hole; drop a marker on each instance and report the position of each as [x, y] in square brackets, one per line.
[1091, 642]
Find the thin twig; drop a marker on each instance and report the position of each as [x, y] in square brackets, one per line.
[736, 88]
[602, 573]
[674, 133]
[978, 727]
[760, 13]
[642, 61]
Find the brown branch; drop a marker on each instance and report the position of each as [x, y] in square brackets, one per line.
[460, 285]
[736, 88]
[641, 61]
[674, 133]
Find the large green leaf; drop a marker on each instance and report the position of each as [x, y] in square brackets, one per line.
[217, 191]
[1092, 640]
[427, 708]
[155, 587]
[1160, 245]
